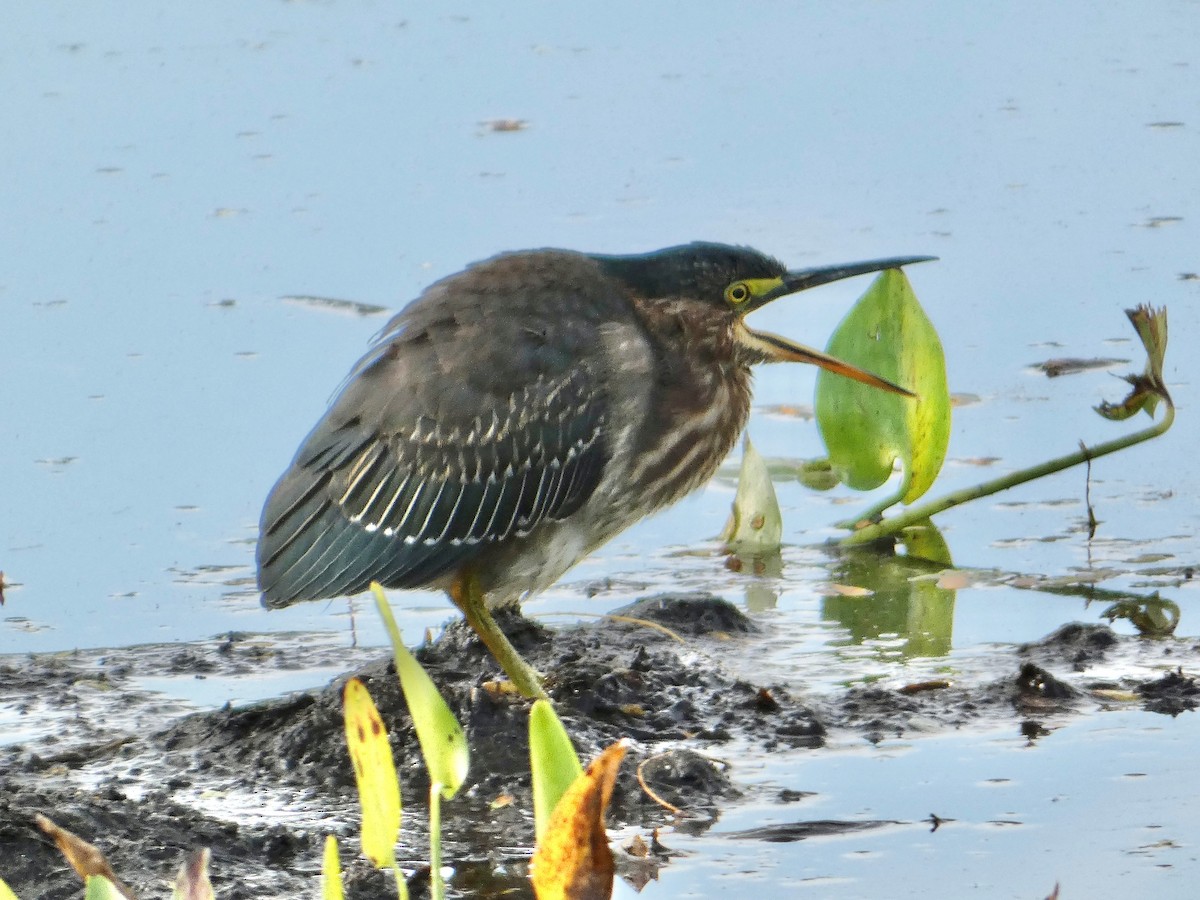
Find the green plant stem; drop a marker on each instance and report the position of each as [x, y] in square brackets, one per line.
[873, 512]
[893, 525]
[401, 882]
[437, 887]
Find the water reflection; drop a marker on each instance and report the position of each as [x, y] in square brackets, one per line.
[897, 597]
[873, 593]
[762, 585]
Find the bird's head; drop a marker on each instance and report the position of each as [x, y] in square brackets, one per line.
[731, 282]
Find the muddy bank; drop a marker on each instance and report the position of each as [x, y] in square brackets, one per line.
[262, 784]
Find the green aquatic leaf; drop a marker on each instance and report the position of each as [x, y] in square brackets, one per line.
[755, 522]
[443, 744]
[100, 888]
[552, 761]
[866, 430]
[6, 893]
[816, 474]
[331, 871]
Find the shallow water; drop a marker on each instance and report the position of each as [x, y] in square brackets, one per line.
[1093, 806]
[175, 180]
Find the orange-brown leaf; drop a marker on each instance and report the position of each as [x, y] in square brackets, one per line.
[83, 857]
[573, 860]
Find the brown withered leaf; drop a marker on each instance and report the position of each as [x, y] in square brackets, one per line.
[920, 687]
[501, 801]
[637, 847]
[573, 860]
[1148, 387]
[83, 857]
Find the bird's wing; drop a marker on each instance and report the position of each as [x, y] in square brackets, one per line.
[412, 472]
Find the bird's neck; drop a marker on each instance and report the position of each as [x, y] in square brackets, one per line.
[700, 397]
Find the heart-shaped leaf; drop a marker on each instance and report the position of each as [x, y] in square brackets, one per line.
[866, 430]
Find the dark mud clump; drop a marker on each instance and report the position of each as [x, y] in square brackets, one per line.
[262, 784]
[1076, 644]
[1172, 694]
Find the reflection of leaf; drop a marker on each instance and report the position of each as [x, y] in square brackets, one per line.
[907, 599]
[755, 522]
[925, 541]
[375, 774]
[441, 737]
[573, 860]
[865, 429]
[552, 762]
[1151, 616]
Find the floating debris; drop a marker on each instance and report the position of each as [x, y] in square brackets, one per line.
[335, 304]
[1160, 221]
[1070, 365]
[504, 125]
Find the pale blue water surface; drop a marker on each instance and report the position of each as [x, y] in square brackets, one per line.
[171, 174]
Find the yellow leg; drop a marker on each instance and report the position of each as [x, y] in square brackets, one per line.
[468, 597]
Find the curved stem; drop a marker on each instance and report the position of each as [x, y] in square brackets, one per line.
[911, 516]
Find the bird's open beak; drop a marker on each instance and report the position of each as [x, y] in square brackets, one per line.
[803, 279]
[780, 349]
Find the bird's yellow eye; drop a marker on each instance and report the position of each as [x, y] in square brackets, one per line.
[737, 293]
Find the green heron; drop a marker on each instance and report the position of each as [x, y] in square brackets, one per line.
[521, 413]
